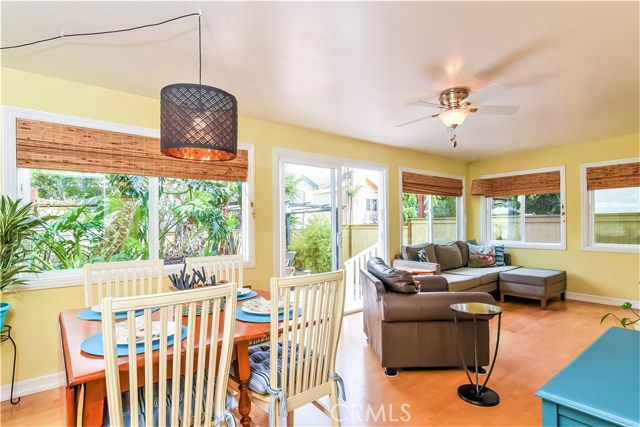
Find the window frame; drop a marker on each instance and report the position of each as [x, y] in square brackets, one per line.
[587, 197]
[74, 277]
[486, 204]
[461, 217]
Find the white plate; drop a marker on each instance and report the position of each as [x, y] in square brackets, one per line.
[122, 331]
[259, 306]
[97, 308]
[243, 291]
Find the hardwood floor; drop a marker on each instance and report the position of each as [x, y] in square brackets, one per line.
[535, 345]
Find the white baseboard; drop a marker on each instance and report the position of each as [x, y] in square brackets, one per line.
[600, 300]
[33, 385]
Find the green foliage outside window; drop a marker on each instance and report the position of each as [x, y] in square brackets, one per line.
[96, 218]
[312, 245]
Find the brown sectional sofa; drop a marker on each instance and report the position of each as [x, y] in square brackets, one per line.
[450, 260]
[408, 327]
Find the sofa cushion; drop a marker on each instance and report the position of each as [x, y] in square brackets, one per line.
[422, 256]
[534, 276]
[458, 282]
[449, 256]
[410, 252]
[482, 256]
[486, 275]
[394, 280]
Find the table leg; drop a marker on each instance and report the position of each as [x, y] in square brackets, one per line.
[244, 373]
[94, 394]
[71, 397]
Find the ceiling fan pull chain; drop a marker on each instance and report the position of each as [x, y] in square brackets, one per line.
[453, 139]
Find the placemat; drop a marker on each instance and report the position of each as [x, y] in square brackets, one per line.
[89, 314]
[95, 346]
[260, 318]
[247, 295]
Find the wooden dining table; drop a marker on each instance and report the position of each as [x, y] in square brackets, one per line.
[85, 373]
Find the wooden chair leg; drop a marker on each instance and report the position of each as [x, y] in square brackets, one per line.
[334, 406]
[290, 419]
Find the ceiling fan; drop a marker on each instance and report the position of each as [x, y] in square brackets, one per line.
[459, 102]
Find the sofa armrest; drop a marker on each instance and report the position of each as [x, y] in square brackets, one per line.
[395, 307]
[432, 283]
[416, 265]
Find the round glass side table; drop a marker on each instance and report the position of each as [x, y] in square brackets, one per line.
[473, 392]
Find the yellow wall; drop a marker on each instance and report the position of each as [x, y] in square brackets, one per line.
[613, 275]
[34, 315]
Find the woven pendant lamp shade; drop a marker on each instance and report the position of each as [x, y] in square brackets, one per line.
[198, 122]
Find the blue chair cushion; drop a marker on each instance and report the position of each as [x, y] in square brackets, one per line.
[231, 404]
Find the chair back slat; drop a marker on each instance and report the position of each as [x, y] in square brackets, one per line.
[309, 342]
[187, 383]
[121, 279]
[227, 267]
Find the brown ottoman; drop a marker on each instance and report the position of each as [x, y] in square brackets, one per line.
[533, 283]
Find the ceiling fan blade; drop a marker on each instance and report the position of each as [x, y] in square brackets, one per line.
[425, 104]
[486, 93]
[503, 110]
[417, 120]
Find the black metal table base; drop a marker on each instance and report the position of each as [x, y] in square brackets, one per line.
[5, 335]
[486, 397]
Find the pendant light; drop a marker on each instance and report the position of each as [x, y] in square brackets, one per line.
[198, 122]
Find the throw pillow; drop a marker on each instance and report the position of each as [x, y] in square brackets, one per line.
[394, 280]
[481, 256]
[422, 256]
[449, 256]
[499, 250]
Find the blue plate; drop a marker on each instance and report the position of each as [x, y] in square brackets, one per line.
[260, 318]
[95, 346]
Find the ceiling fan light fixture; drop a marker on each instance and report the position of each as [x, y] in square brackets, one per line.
[453, 118]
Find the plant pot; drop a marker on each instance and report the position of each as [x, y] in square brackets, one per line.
[4, 309]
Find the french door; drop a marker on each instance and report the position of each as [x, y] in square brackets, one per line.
[331, 214]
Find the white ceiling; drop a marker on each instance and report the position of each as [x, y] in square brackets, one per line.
[349, 68]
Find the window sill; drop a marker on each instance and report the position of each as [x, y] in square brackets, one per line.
[627, 249]
[71, 278]
[523, 245]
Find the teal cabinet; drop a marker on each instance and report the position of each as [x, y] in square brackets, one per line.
[600, 387]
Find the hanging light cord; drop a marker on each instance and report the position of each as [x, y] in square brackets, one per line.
[63, 35]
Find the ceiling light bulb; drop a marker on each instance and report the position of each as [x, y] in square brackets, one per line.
[453, 118]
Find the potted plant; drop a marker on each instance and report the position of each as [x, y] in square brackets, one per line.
[18, 225]
[633, 320]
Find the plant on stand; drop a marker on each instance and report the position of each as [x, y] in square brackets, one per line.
[18, 226]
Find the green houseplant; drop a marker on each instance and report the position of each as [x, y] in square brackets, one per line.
[633, 319]
[18, 225]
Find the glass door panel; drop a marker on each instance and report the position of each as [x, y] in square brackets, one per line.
[310, 225]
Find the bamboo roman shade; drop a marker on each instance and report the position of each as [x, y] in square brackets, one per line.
[43, 145]
[516, 185]
[623, 175]
[432, 185]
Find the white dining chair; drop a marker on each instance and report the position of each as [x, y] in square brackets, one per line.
[180, 383]
[284, 380]
[119, 279]
[227, 267]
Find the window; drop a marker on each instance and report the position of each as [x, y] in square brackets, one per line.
[432, 208]
[611, 206]
[523, 209]
[100, 216]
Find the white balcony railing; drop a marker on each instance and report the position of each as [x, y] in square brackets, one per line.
[352, 266]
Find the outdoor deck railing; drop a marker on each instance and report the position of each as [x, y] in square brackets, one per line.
[352, 266]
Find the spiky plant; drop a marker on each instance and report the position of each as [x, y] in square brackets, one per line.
[18, 226]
